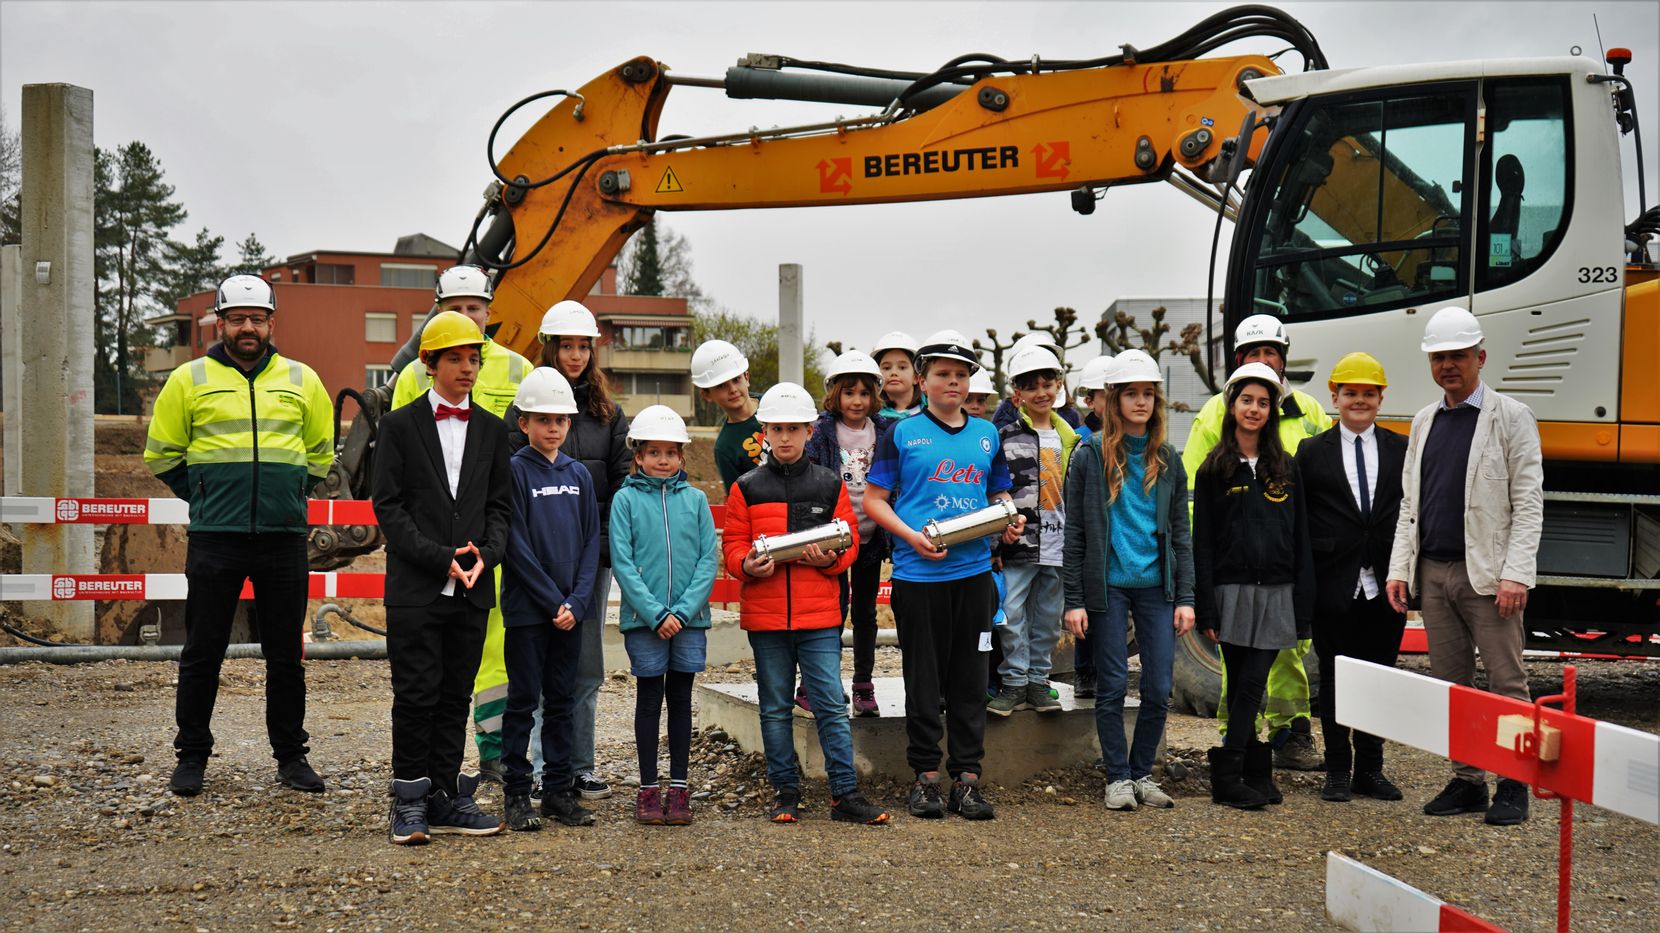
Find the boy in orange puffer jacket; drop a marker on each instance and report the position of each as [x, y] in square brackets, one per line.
[792, 611]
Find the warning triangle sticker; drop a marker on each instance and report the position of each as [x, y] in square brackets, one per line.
[670, 183]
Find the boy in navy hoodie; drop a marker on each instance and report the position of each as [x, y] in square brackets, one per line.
[547, 588]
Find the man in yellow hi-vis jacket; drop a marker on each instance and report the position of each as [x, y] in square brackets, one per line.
[242, 434]
[467, 289]
[1261, 338]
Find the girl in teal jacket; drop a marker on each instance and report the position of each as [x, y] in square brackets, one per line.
[665, 554]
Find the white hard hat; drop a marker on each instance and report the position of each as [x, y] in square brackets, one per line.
[657, 423]
[1452, 328]
[1259, 371]
[245, 291]
[894, 340]
[545, 392]
[1037, 338]
[949, 344]
[980, 383]
[568, 319]
[715, 361]
[850, 363]
[1032, 360]
[787, 403]
[1138, 366]
[1261, 328]
[463, 281]
[1094, 374]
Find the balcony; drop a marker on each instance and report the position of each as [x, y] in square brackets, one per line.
[165, 359]
[682, 404]
[612, 357]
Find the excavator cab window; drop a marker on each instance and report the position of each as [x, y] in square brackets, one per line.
[1364, 204]
[1524, 177]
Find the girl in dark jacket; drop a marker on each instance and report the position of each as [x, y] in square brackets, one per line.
[1127, 554]
[598, 439]
[844, 442]
[1255, 575]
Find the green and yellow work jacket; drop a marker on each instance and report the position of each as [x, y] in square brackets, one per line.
[243, 447]
[1300, 417]
[499, 373]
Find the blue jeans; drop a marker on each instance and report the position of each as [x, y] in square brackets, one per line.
[1155, 636]
[1033, 607]
[590, 673]
[818, 655]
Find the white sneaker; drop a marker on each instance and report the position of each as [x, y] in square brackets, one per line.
[1121, 795]
[1148, 793]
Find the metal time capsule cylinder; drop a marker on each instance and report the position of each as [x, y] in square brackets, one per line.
[783, 548]
[991, 520]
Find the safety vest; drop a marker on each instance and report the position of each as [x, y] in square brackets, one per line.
[499, 374]
[243, 448]
[1310, 420]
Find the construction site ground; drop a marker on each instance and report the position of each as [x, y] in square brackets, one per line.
[91, 839]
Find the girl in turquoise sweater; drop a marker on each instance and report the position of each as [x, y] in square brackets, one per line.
[665, 554]
[1128, 552]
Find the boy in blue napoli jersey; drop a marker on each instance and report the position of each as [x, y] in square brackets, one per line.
[938, 465]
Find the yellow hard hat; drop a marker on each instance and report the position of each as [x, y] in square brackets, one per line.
[450, 329]
[1359, 368]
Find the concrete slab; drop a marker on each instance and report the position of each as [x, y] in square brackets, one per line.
[1016, 747]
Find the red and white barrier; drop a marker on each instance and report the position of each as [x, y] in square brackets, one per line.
[48, 586]
[1362, 898]
[1601, 763]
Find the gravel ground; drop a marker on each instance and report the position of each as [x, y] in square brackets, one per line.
[90, 839]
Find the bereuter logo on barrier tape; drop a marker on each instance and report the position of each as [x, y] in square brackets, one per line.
[100, 511]
[98, 586]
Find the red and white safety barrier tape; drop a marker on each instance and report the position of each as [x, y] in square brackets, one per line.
[1362, 898]
[43, 586]
[46, 510]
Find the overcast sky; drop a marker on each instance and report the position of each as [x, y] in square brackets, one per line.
[345, 125]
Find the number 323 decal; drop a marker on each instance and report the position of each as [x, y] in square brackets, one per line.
[1609, 274]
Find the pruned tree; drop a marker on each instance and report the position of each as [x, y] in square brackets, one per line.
[1060, 331]
[834, 346]
[1122, 332]
[996, 349]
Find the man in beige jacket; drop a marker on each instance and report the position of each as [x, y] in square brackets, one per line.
[1471, 509]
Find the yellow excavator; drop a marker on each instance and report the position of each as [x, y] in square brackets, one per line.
[1363, 201]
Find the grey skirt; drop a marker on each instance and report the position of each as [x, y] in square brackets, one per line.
[1257, 616]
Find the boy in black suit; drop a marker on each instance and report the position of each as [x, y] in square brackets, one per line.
[1352, 478]
[443, 498]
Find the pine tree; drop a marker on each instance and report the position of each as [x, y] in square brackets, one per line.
[193, 268]
[252, 259]
[644, 274]
[134, 213]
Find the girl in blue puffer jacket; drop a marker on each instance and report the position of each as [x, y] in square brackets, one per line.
[665, 554]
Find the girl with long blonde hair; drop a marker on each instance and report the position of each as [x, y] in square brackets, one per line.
[1128, 554]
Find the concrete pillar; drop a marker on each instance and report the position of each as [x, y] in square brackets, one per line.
[791, 361]
[11, 298]
[53, 327]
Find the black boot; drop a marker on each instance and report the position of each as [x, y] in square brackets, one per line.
[1259, 771]
[1226, 783]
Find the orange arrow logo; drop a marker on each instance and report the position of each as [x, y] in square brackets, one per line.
[1053, 159]
[835, 175]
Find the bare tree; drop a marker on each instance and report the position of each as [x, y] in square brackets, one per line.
[11, 181]
[1121, 332]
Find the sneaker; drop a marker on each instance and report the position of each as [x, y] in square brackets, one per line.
[802, 708]
[591, 787]
[852, 807]
[1374, 785]
[864, 700]
[924, 801]
[566, 807]
[1294, 749]
[1007, 701]
[784, 806]
[678, 810]
[1337, 788]
[489, 771]
[187, 777]
[297, 774]
[966, 800]
[1148, 793]
[1121, 795]
[409, 812]
[648, 806]
[1509, 804]
[1459, 796]
[1084, 689]
[459, 814]
[521, 814]
[1039, 697]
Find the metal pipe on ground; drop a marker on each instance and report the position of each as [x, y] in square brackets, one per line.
[88, 654]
